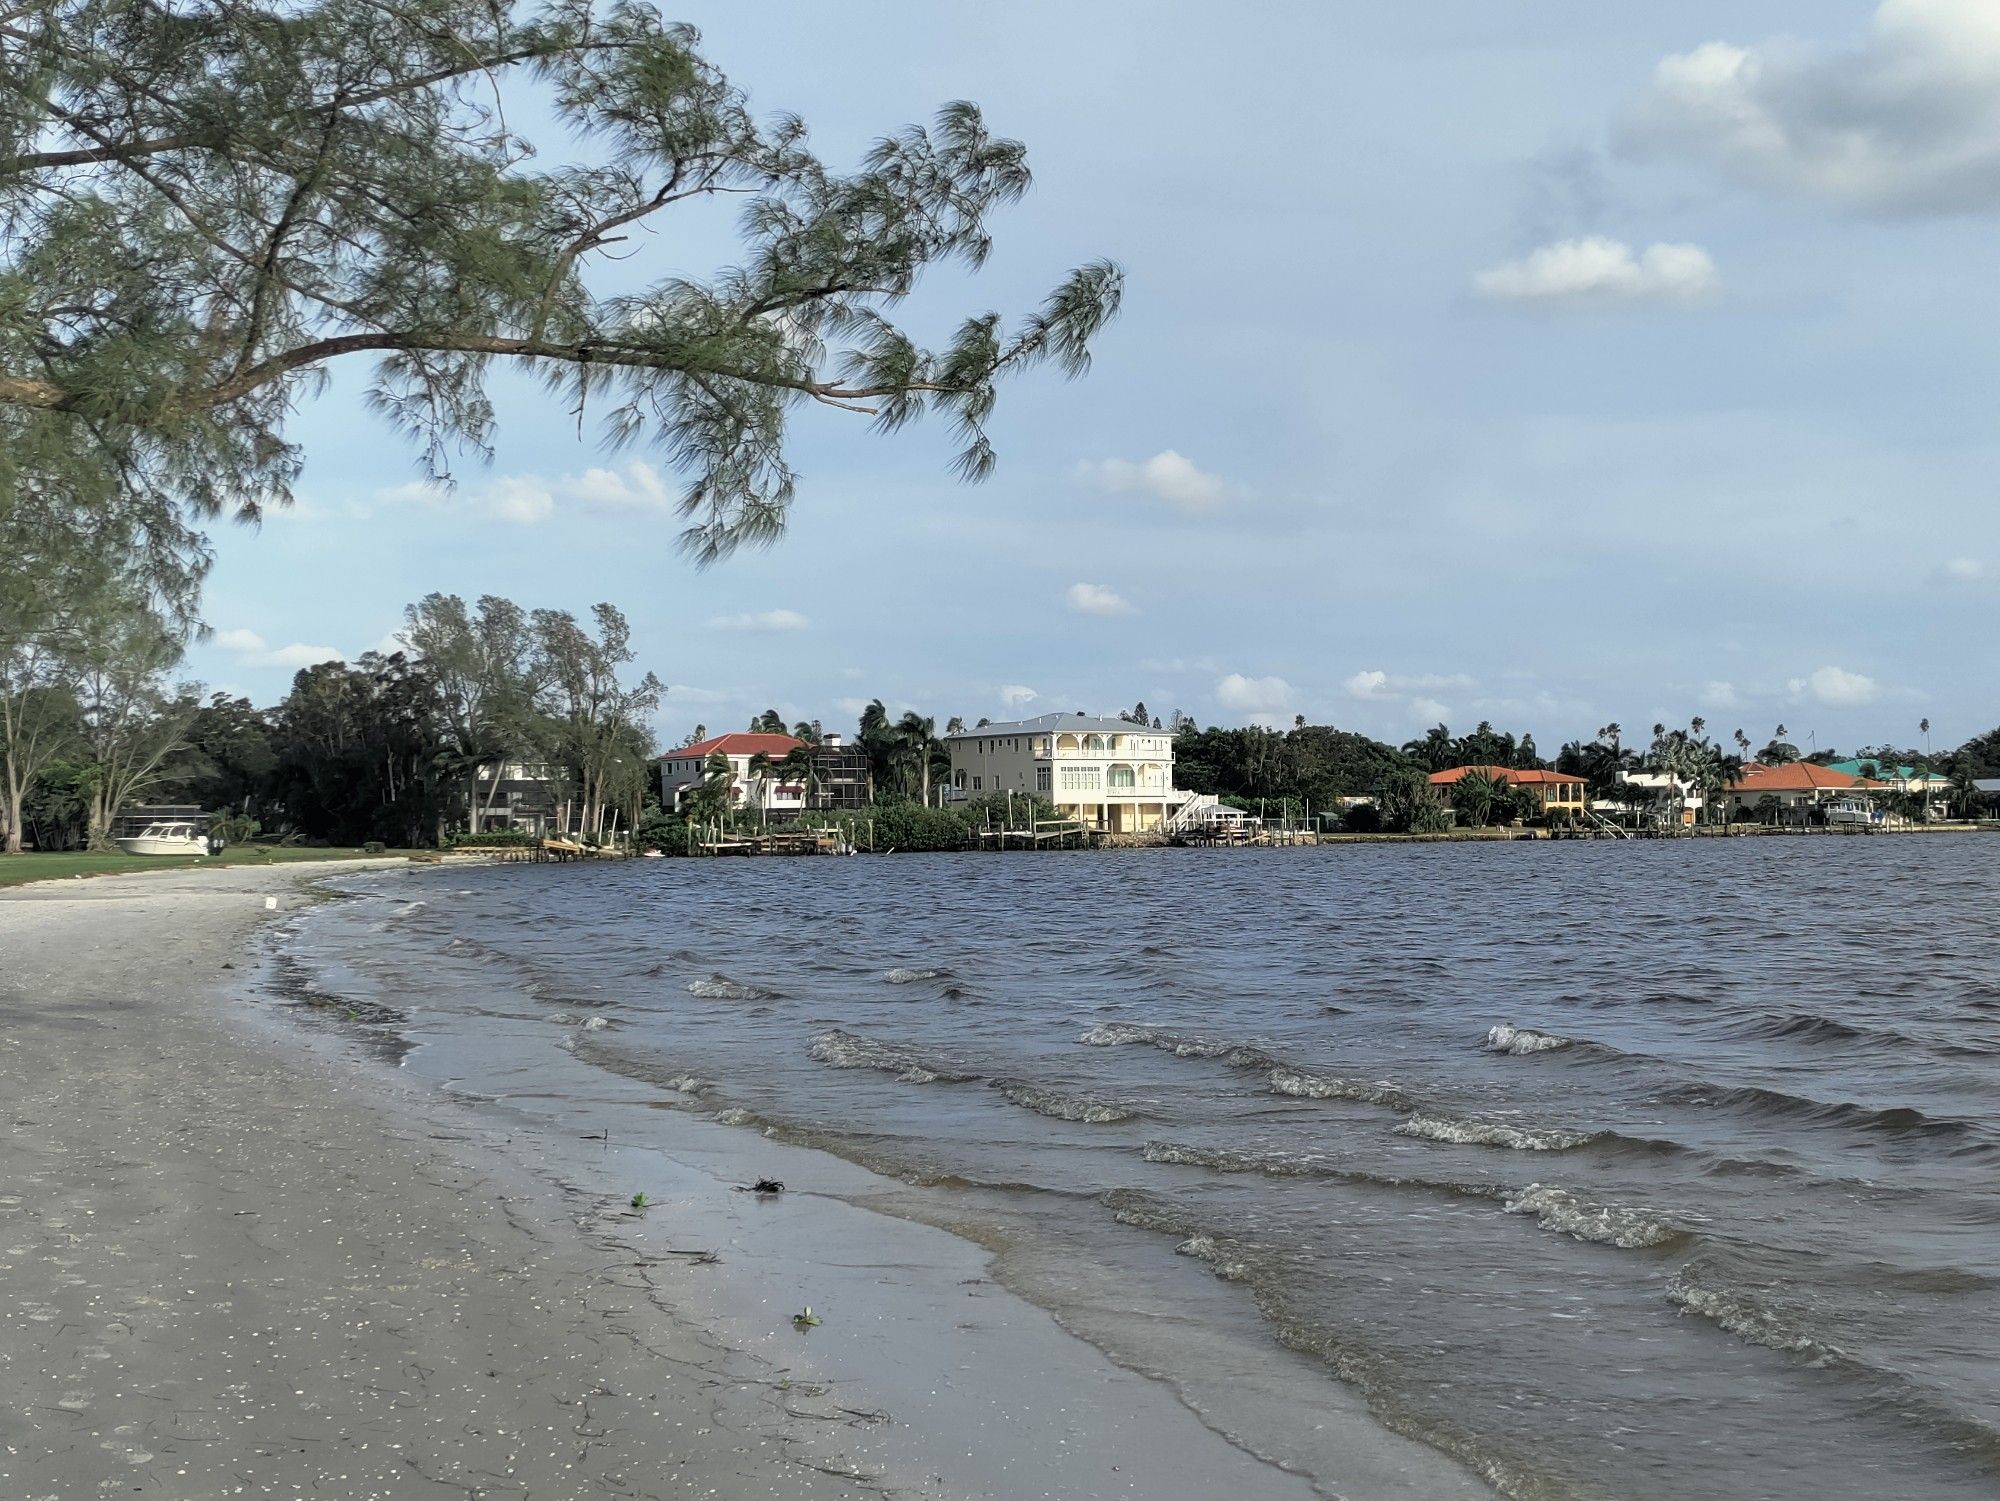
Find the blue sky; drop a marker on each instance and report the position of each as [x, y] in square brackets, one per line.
[1545, 364]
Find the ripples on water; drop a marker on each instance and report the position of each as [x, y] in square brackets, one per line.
[1656, 1171]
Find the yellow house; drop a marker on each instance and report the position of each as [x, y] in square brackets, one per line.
[1110, 773]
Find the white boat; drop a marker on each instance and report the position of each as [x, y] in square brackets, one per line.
[165, 839]
[1851, 812]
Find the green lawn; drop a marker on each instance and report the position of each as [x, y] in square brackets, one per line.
[16, 870]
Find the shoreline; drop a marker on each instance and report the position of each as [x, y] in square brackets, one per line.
[238, 1254]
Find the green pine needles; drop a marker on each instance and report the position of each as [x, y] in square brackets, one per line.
[205, 205]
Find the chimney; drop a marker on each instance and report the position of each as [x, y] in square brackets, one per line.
[830, 742]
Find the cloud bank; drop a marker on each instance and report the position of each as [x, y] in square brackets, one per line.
[1905, 122]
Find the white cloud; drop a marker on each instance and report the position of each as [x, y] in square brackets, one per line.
[1373, 683]
[1837, 687]
[1096, 599]
[762, 621]
[1905, 121]
[1966, 571]
[1165, 476]
[1600, 271]
[1370, 684]
[1253, 695]
[526, 499]
[1018, 695]
[1430, 711]
[1720, 695]
[251, 650]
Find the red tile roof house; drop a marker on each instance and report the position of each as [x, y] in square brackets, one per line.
[686, 766]
[1799, 787]
[1559, 794]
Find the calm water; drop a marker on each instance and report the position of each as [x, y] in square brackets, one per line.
[1636, 1171]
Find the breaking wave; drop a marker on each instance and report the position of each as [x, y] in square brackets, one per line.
[1207, 1249]
[837, 1049]
[1520, 1041]
[1601, 1224]
[1309, 1086]
[1897, 1122]
[1062, 1107]
[722, 988]
[1180, 1044]
[912, 976]
[1491, 1134]
[1752, 1321]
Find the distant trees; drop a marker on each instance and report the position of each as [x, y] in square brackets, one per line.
[483, 667]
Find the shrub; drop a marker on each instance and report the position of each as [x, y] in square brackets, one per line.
[374, 847]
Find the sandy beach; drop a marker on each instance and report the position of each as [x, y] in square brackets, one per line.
[238, 1257]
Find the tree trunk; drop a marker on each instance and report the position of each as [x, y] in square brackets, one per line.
[13, 840]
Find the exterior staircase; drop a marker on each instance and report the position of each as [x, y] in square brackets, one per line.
[1183, 817]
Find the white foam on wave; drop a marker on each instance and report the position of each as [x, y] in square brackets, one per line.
[688, 1084]
[837, 1049]
[1180, 1044]
[1223, 1160]
[1205, 1248]
[1308, 1086]
[1749, 1320]
[720, 988]
[1491, 1134]
[1520, 1041]
[1560, 1210]
[1064, 1107]
[912, 976]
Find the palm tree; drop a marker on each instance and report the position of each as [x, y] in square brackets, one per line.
[915, 738]
[761, 769]
[806, 730]
[1474, 796]
[1965, 790]
[1742, 744]
[878, 739]
[801, 768]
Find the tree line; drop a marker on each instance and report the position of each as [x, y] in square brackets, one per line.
[389, 748]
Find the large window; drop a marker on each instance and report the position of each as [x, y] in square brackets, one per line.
[1079, 779]
[1120, 776]
[1041, 779]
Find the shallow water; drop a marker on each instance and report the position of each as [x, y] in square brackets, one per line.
[1642, 1171]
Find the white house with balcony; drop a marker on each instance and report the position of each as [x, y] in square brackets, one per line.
[1110, 773]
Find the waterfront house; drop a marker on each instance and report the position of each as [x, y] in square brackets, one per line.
[686, 767]
[1800, 790]
[1661, 796]
[840, 776]
[520, 796]
[1916, 780]
[1558, 795]
[1110, 773]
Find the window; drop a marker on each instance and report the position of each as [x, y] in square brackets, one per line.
[1042, 779]
[1079, 779]
[975, 784]
[1120, 776]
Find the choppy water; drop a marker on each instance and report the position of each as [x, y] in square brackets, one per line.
[1641, 1171]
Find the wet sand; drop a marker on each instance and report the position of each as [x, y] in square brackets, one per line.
[236, 1258]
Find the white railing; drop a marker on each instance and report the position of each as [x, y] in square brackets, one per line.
[1188, 812]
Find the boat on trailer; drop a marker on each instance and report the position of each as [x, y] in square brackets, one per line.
[165, 839]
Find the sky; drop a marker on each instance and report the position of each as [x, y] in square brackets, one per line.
[1551, 365]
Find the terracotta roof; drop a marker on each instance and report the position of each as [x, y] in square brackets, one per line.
[1798, 776]
[1518, 777]
[742, 743]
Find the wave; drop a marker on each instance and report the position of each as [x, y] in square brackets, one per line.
[1180, 1044]
[1897, 1122]
[722, 988]
[1520, 1041]
[1492, 1134]
[837, 1049]
[912, 976]
[1601, 1224]
[1309, 1086]
[1749, 1319]
[1062, 1107]
[1207, 1249]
